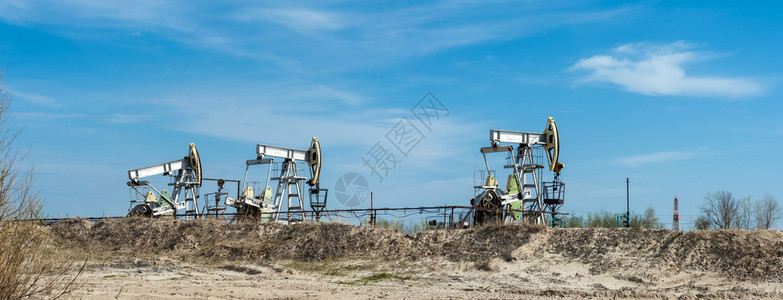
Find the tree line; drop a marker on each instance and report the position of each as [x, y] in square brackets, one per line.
[721, 210]
[606, 219]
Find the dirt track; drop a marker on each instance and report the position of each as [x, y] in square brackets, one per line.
[199, 259]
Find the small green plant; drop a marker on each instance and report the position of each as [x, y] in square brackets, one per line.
[410, 228]
[382, 276]
[383, 223]
[606, 219]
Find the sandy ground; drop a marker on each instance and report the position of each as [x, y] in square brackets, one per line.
[146, 259]
[544, 278]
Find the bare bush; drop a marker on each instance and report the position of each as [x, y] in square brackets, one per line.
[702, 223]
[722, 210]
[767, 212]
[31, 263]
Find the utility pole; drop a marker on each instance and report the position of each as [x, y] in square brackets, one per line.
[627, 202]
[372, 212]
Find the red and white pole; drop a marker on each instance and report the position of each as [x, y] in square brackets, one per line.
[676, 223]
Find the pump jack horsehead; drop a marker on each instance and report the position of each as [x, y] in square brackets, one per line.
[523, 199]
[268, 206]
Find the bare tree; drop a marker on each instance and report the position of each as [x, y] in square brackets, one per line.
[31, 265]
[767, 212]
[722, 210]
[746, 208]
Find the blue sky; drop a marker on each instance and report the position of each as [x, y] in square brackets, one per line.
[682, 97]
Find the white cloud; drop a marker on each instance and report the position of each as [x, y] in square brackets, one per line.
[35, 98]
[658, 157]
[659, 70]
[300, 19]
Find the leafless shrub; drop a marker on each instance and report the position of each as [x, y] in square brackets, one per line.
[767, 212]
[702, 223]
[31, 263]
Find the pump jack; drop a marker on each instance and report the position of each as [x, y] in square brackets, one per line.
[519, 197]
[186, 173]
[267, 206]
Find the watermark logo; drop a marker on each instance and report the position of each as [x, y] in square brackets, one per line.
[390, 150]
[429, 109]
[351, 189]
[383, 158]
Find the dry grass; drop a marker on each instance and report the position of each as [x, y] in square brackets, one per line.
[31, 263]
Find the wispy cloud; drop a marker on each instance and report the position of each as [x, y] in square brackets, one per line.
[281, 114]
[122, 118]
[44, 116]
[301, 19]
[347, 37]
[659, 70]
[84, 13]
[658, 157]
[35, 98]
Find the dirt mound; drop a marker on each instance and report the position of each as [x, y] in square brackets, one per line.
[739, 254]
[300, 241]
[635, 254]
[218, 239]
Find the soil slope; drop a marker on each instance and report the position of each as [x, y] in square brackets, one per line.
[494, 261]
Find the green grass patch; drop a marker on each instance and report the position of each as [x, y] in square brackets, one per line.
[375, 278]
[112, 276]
[382, 276]
[328, 267]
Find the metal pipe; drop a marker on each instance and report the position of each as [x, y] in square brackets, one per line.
[372, 212]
